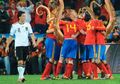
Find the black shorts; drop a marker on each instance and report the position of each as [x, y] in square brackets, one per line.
[21, 53]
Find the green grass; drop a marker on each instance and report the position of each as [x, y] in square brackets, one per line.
[35, 79]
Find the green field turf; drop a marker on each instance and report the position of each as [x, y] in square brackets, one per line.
[35, 79]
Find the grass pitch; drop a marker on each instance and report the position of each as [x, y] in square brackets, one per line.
[35, 79]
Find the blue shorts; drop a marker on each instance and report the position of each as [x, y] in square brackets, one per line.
[69, 48]
[90, 50]
[51, 49]
[82, 52]
[57, 52]
[101, 52]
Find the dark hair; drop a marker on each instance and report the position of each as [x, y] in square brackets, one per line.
[67, 19]
[87, 16]
[1, 3]
[20, 14]
[103, 18]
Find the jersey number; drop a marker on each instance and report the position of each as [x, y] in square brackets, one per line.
[73, 27]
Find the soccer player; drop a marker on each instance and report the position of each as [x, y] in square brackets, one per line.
[81, 48]
[52, 51]
[22, 30]
[107, 9]
[101, 48]
[69, 48]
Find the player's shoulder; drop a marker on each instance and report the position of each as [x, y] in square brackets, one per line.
[15, 23]
[27, 23]
[80, 21]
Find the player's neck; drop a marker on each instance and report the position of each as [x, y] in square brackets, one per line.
[21, 22]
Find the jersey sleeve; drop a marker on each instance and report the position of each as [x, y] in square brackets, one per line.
[12, 31]
[62, 24]
[30, 29]
[100, 26]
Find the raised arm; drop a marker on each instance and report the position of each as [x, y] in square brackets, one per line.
[46, 8]
[92, 3]
[111, 11]
[89, 11]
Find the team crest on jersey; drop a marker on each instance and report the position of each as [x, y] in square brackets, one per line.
[18, 29]
[26, 28]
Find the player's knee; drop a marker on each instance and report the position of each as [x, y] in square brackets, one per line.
[104, 62]
[21, 62]
[61, 59]
[21, 65]
[51, 60]
[55, 62]
[70, 61]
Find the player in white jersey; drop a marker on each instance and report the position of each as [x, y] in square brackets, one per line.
[21, 30]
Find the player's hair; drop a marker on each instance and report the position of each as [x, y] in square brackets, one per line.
[20, 14]
[87, 16]
[53, 4]
[67, 19]
[103, 18]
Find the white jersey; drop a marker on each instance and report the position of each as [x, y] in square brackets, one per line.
[21, 32]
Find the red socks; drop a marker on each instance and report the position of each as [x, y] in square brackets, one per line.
[108, 69]
[69, 69]
[58, 69]
[79, 69]
[94, 69]
[47, 70]
[103, 68]
[54, 69]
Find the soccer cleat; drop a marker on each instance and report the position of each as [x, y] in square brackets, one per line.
[111, 77]
[88, 76]
[21, 80]
[65, 77]
[107, 76]
[45, 78]
[102, 75]
[95, 78]
[56, 78]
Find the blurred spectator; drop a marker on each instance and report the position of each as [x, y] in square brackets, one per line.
[4, 56]
[41, 56]
[27, 7]
[4, 19]
[114, 36]
[40, 21]
[12, 12]
[13, 60]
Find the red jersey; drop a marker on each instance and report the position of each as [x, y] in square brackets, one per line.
[41, 19]
[13, 16]
[69, 28]
[100, 38]
[82, 25]
[99, 25]
[51, 35]
[90, 34]
[104, 12]
[46, 2]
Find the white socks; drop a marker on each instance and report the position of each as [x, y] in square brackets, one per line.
[21, 71]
